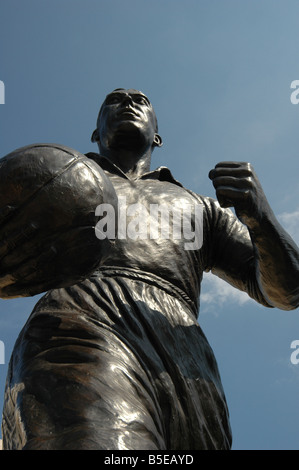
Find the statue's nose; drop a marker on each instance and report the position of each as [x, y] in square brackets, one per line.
[127, 100]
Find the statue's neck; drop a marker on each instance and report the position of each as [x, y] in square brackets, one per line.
[130, 163]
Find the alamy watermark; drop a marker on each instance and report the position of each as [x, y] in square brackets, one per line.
[295, 94]
[295, 354]
[2, 353]
[158, 221]
[2, 92]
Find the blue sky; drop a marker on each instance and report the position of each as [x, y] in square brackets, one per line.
[218, 73]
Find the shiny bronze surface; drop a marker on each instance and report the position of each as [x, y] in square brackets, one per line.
[113, 357]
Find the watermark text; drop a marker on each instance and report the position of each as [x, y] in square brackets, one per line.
[2, 353]
[295, 354]
[149, 459]
[2, 92]
[295, 94]
[157, 221]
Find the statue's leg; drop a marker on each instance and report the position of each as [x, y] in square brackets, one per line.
[73, 385]
[115, 362]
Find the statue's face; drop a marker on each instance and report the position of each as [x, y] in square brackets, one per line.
[126, 117]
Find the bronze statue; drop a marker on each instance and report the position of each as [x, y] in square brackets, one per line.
[115, 359]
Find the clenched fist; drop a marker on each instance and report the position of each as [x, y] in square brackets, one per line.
[238, 186]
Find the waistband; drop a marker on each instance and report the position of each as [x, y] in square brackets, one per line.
[149, 278]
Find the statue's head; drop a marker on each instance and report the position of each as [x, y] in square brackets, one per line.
[126, 120]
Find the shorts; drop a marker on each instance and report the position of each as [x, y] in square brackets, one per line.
[117, 362]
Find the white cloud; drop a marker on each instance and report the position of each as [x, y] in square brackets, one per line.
[216, 293]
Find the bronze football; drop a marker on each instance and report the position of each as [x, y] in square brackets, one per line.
[48, 197]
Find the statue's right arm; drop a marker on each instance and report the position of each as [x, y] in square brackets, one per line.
[232, 256]
[275, 255]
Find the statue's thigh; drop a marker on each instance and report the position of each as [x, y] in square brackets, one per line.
[71, 388]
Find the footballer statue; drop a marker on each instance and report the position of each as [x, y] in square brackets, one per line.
[113, 356]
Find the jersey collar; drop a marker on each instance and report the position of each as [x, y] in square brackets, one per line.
[162, 173]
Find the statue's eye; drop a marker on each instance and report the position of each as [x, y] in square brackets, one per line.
[140, 99]
[113, 99]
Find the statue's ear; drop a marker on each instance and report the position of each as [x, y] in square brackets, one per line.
[95, 136]
[157, 141]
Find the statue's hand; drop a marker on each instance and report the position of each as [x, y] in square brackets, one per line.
[238, 186]
[17, 246]
[33, 261]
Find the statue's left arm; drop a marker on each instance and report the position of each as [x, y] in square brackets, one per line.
[276, 254]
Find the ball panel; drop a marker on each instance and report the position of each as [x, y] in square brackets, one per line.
[27, 169]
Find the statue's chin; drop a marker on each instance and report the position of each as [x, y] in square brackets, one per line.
[128, 138]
